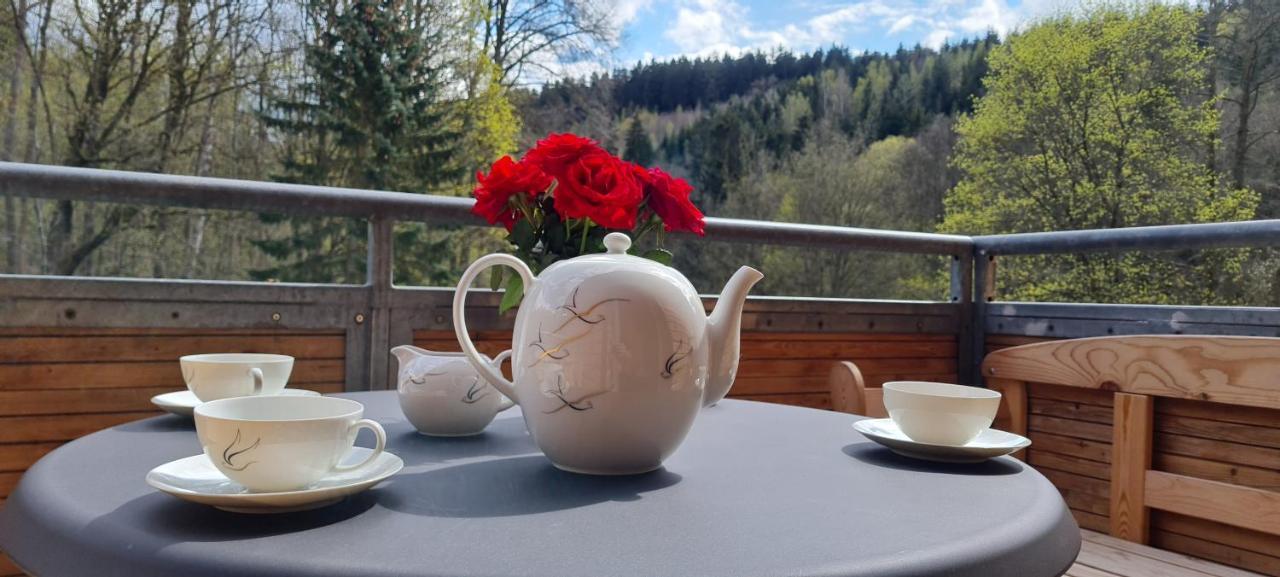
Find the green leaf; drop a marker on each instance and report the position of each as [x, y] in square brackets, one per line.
[515, 292]
[659, 255]
[495, 277]
[523, 235]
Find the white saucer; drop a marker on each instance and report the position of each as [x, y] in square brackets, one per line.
[195, 479]
[990, 443]
[184, 402]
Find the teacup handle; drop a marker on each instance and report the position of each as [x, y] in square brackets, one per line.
[378, 433]
[506, 403]
[257, 380]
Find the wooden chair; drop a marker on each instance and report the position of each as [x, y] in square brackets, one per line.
[1227, 384]
[850, 393]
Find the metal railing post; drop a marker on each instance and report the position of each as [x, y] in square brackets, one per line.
[381, 252]
[984, 269]
[961, 295]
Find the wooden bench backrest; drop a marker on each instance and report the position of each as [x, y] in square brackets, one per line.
[1137, 369]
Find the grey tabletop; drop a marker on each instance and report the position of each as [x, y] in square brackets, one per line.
[756, 490]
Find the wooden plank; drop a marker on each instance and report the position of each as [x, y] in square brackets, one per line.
[74, 401]
[1239, 537]
[1132, 564]
[808, 367]
[877, 380]
[1090, 521]
[1222, 502]
[1070, 394]
[1072, 464]
[1233, 473]
[1078, 570]
[1260, 416]
[1013, 340]
[1233, 370]
[62, 427]
[1094, 540]
[1080, 448]
[138, 374]
[1064, 480]
[1071, 410]
[152, 331]
[1070, 428]
[847, 350]
[848, 389]
[1264, 564]
[1261, 436]
[163, 348]
[1218, 450]
[750, 335]
[1130, 460]
[1014, 403]
[1084, 502]
[747, 335]
[17, 457]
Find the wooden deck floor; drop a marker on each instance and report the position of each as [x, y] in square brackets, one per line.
[1105, 556]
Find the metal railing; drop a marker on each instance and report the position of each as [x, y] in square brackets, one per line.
[378, 315]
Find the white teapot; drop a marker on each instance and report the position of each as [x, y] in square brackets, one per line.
[441, 394]
[612, 356]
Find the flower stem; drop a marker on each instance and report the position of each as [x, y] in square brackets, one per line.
[586, 227]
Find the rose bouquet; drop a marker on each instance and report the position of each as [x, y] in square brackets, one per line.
[567, 192]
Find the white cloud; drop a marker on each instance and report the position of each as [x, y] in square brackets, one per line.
[901, 24]
[709, 27]
[624, 12]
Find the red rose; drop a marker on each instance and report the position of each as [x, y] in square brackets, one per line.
[669, 198]
[555, 153]
[599, 186]
[507, 178]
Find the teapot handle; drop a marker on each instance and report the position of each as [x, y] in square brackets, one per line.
[491, 373]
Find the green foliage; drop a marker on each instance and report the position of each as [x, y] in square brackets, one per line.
[1097, 122]
[370, 117]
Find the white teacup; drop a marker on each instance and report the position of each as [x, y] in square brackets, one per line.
[282, 443]
[940, 413]
[224, 375]
[443, 395]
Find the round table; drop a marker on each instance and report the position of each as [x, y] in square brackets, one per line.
[757, 489]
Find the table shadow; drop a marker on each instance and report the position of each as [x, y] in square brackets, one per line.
[169, 521]
[502, 438]
[510, 487]
[876, 455]
[161, 424]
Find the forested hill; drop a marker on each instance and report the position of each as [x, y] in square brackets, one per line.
[713, 119]
[829, 137]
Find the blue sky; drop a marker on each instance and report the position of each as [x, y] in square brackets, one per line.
[666, 28]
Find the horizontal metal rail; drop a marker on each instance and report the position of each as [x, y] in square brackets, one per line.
[1170, 237]
[67, 183]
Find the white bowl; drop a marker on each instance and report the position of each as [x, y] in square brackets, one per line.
[939, 413]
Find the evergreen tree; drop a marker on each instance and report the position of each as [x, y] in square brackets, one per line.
[638, 148]
[368, 117]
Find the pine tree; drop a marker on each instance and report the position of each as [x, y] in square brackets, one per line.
[638, 147]
[369, 116]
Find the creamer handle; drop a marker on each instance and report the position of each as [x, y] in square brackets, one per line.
[506, 403]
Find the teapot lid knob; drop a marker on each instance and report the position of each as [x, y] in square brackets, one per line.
[617, 243]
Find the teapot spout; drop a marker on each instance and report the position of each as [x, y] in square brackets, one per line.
[723, 330]
[406, 353]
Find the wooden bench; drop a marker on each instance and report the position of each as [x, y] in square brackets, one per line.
[1168, 440]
